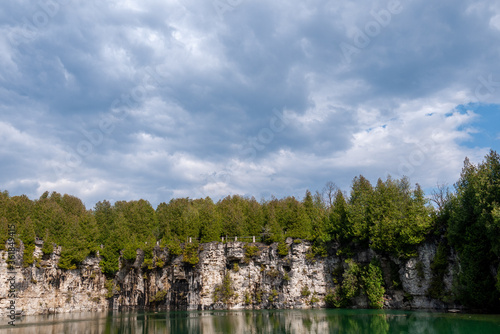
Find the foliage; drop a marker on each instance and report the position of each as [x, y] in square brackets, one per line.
[224, 291]
[333, 299]
[174, 248]
[474, 231]
[147, 264]
[282, 249]
[248, 298]
[109, 285]
[373, 281]
[305, 292]
[314, 299]
[250, 252]
[272, 296]
[159, 297]
[319, 248]
[190, 254]
[390, 217]
[439, 267]
[354, 279]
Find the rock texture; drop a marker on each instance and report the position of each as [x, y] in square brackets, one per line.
[225, 277]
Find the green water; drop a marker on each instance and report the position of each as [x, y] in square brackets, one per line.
[266, 321]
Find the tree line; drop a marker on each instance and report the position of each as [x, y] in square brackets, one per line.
[391, 217]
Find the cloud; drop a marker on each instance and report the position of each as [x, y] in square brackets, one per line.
[122, 100]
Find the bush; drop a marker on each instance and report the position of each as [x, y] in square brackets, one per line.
[190, 254]
[282, 249]
[272, 296]
[109, 287]
[174, 248]
[439, 267]
[372, 278]
[305, 292]
[147, 264]
[28, 258]
[159, 297]
[224, 291]
[350, 279]
[333, 299]
[251, 251]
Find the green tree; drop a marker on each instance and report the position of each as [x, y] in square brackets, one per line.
[474, 233]
[210, 222]
[339, 227]
[359, 209]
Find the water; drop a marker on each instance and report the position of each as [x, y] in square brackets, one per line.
[265, 321]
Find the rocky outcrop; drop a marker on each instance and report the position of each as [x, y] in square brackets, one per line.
[227, 275]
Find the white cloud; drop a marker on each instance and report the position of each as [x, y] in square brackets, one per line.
[211, 86]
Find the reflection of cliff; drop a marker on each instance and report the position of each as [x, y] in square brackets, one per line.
[225, 277]
[261, 321]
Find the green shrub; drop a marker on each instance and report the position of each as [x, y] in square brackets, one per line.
[251, 251]
[224, 291]
[159, 262]
[190, 254]
[305, 291]
[314, 299]
[28, 257]
[159, 296]
[439, 266]
[272, 296]
[350, 279]
[248, 298]
[282, 249]
[333, 299]
[147, 264]
[258, 296]
[372, 279]
[109, 287]
[174, 248]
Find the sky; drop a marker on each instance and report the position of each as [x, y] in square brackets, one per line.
[123, 100]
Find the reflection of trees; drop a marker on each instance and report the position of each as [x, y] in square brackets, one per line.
[379, 324]
[264, 321]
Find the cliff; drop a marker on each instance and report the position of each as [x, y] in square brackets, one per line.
[227, 275]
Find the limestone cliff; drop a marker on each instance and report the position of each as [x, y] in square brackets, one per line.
[226, 276]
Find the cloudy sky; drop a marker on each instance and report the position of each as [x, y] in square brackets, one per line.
[129, 99]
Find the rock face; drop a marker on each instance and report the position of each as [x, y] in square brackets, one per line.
[233, 275]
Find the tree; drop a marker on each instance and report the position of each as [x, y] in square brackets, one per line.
[210, 222]
[474, 232]
[359, 214]
[328, 193]
[339, 227]
[400, 218]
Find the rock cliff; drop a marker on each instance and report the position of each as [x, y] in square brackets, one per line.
[227, 275]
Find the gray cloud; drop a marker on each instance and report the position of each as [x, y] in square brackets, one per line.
[125, 100]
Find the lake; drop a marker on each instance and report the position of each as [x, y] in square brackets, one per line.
[261, 321]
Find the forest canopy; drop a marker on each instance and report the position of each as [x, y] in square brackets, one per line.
[391, 217]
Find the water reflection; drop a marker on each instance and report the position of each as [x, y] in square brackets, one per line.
[265, 321]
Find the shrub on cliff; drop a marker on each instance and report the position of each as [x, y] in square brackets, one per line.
[224, 292]
[373, 284]
[282, 249]
[190, 253]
